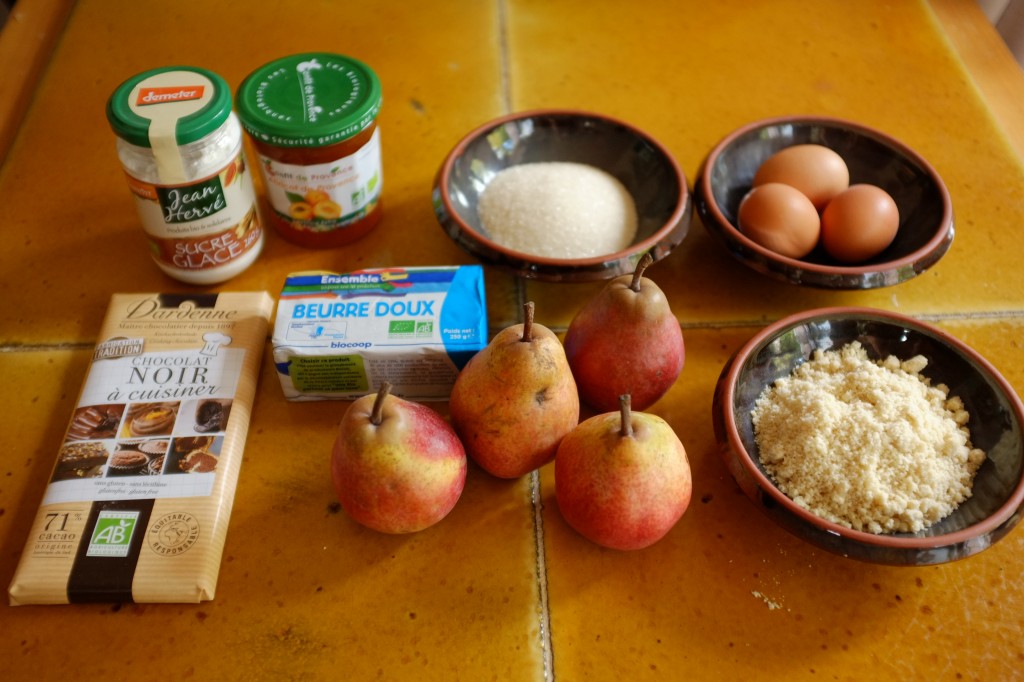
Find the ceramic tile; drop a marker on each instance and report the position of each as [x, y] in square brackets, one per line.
[729, 595]
[304, 592]
[59, 238]
[26, 40]
[42, 388]
[689, 74]
[993, 68]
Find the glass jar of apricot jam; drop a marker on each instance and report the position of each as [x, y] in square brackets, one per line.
[312, 119]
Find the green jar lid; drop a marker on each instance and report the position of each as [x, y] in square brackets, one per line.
[187, 102]
[309, 100]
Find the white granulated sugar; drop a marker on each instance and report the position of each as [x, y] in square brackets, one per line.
[558, 210]
[871, 446]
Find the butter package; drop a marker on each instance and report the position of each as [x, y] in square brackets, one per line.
[138, 502]
[340, 336]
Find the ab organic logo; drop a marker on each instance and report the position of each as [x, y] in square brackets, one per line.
[112, 536]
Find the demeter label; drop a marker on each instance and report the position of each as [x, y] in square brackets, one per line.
[148, 96]
[112, 535]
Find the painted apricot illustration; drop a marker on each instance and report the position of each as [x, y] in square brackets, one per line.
[327, 210]
[315, 196]
[300, 210]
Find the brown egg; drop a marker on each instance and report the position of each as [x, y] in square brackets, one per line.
[780, 218]
[859, 223]
[817, 171]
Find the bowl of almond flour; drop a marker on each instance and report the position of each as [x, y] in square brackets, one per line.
[873, 435]
[562, 196]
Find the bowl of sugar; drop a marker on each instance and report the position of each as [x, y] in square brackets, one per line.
[873, 435]
[562, 196]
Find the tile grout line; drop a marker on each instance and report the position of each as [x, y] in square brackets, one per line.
[504, 77]
[980, 316]
[542, 578]
[543, 607]
[520, 296]
[45, 347]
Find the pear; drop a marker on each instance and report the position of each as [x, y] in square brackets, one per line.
[515, 400]
[625, 340]
[396, 465]
[622, 479]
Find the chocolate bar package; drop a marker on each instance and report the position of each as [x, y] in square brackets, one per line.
[139, 498]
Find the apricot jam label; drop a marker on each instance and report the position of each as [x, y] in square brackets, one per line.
[200, 225]
[326, 196]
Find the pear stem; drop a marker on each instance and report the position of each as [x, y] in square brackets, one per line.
[626, 430]
[643, 264]
[528, 322]
[376, 415]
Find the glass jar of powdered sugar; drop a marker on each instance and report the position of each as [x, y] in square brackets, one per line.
[180, 145]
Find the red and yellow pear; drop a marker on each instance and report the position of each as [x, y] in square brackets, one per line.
[515, 400]
[397, 466]
[625, 340]
[622, 479]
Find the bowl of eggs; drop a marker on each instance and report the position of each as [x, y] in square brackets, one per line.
[562, 196]
[873, 435]
[825, 202]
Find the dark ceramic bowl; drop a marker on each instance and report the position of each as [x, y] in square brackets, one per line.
[996, 423]
[638, 161]
[926, 212]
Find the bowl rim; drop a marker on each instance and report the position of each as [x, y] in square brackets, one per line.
[444, 173]
[765, 484]
[935, 242]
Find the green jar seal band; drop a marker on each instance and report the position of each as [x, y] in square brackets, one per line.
[313, 99]
[191, 103]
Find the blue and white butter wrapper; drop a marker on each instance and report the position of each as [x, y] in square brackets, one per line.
[340, 336]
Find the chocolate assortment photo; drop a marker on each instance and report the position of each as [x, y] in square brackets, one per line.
[154, 448]
[126, 463]
[193, 455]
[136, 457]
[212, 415]
[95, 422]
[150, 419]
[156, 465]
[80, 460]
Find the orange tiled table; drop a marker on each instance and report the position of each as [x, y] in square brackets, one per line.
[502, 589]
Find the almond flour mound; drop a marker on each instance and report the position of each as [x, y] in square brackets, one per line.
[868, 445]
